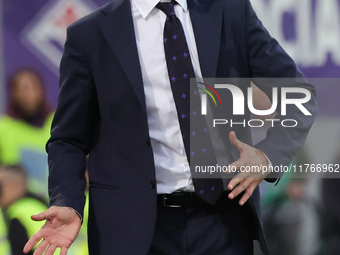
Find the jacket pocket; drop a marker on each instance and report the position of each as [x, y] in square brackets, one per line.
[95, 185]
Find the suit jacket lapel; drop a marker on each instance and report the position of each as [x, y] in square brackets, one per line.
[118, 29]
[207, 21]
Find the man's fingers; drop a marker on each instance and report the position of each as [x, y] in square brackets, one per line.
[241, 187]
[248, 193]
[235, 165]
[48, 214]
[33, 241]
[63, 251]
[51, 249]
[41, 248]
[236, 180]
[232, 184]
[236, 142]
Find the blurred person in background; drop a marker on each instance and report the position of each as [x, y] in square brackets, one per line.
[291, 215]
[24, 131]
[18, 205]
[4, 244]
[25, 128]
[286, 209]
[331, 217]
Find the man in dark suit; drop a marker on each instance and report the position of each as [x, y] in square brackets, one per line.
[116, 104]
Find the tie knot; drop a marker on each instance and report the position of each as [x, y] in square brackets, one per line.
[167, 8]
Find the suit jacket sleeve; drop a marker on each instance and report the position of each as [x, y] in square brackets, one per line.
[72, 126]
[268, 59]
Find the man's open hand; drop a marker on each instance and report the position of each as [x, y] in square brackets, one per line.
[60, 230]
[246, 181]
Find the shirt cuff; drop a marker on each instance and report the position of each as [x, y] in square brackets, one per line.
[269, 162]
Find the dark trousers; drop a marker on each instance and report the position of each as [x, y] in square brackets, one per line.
[204, 230]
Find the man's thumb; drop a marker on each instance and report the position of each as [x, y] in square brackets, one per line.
[236, 142]
[48, 214]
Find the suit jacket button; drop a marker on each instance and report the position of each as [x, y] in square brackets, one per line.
[148, 142]
[153, 184]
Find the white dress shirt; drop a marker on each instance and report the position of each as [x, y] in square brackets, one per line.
[172, 167]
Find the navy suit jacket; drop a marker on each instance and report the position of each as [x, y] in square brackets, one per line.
[102, 112]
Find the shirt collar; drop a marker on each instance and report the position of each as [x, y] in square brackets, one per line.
[146, 6]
